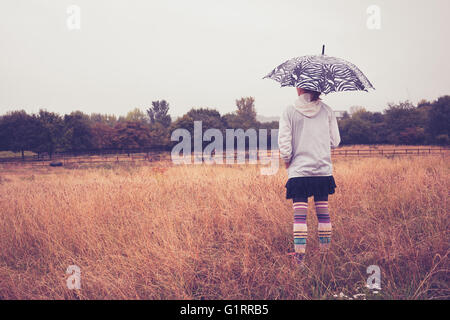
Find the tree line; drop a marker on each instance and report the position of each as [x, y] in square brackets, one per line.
[402, 123]
[50, 132]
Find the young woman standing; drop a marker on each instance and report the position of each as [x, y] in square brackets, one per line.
[308, 130]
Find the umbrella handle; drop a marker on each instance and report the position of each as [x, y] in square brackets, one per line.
[323, 49]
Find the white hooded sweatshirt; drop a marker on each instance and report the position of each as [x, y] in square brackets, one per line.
[308, 130]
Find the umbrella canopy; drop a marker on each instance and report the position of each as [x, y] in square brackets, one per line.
[320, 73]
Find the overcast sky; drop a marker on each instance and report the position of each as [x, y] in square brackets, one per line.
[208, 53]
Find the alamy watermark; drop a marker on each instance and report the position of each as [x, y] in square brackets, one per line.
[374, 18]
[374, 279]
[213, 152]
[74, 280]
[73, 21]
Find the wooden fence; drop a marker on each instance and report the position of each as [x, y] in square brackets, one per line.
[390, 152]
[156, 156]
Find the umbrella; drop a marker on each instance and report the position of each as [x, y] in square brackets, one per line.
[320, 73]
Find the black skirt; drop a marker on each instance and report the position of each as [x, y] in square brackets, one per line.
[304, 187]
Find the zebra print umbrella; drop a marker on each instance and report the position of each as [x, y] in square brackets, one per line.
[320, 73]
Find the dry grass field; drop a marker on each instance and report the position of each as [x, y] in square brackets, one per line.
[221, 232]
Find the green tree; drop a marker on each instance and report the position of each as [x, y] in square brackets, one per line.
[136, 115]
[159, 135]
[355, 109]
[184, 122]
[412, 135]
[158, 113]
[210, 118]
[439, 119]
[131, 135]
[368, 116]
[355, 131]
[232, 120]
[107, 119]
[401, 120]
[102, 135]
[49, 133]
[77, 132]
[18, 132]
[246, 113]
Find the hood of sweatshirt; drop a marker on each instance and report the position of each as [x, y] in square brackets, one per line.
[305, 106]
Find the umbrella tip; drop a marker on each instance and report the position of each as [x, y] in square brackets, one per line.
[323, 49]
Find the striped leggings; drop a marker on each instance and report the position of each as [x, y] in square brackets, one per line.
[300, 228]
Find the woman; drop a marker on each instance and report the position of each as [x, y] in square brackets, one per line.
[308, 130]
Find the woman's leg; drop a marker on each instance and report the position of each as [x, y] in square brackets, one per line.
[300, 229]
[323, 215]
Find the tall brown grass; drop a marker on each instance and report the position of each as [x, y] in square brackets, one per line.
[222, 232]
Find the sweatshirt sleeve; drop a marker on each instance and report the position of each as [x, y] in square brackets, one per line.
[285, 137]
[334, 131]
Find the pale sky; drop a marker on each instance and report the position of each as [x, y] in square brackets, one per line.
[209, 53]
